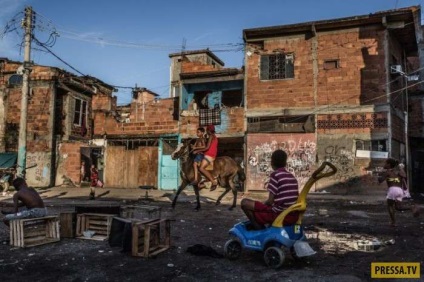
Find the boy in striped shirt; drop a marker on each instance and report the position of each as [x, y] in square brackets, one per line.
[283, 191]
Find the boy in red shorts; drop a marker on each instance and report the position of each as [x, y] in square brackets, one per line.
[283, 191]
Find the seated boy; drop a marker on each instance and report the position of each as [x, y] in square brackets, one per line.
[199, 144]
[283, 192]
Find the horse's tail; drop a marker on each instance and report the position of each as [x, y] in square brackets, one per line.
[241, 174]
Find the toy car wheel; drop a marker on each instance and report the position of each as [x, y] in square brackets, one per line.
[274, 257]
[232, 249]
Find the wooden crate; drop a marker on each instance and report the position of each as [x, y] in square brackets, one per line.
[29, 232]
[142, 212]
[97, 222]
[146, 237]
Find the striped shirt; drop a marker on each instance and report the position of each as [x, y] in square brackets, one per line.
[283, 185]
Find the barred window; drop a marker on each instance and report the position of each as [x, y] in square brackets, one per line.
[278, 66]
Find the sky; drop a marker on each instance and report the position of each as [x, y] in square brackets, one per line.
[127, 43]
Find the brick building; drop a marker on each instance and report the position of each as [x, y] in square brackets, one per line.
[329, 90]
[59, 121]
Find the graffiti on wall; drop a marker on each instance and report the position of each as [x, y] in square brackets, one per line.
[343, 159]
[348, 174]
[38, 171]
[301, 158]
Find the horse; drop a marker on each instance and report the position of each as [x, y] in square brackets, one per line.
[225, 169]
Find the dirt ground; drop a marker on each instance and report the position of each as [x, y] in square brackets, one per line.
[334, 226]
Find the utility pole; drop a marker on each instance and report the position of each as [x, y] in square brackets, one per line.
[407, 152]
[27, 26]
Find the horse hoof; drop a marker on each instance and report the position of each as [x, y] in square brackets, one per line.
[231, 208]
[217, 203]
[197, 209]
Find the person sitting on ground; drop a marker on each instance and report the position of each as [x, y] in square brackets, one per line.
[395, 176]
[283, 191]
[210, 152]
[28, 197]
[199, 144]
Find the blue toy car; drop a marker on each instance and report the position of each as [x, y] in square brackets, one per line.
[277, 237]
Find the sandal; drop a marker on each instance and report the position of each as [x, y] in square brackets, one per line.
[214, 185]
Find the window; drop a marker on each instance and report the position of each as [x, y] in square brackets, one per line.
[80, 114]
[278, 66]
[372, 145]
[331, 64]
[15, 79]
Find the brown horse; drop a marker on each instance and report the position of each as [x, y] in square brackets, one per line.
[225, 169]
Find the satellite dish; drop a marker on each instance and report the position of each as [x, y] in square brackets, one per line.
[20, 70]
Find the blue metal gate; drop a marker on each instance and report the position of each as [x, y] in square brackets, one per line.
[169, 171]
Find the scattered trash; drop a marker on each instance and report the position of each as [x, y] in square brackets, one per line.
[368, 246]
[359, 214]
[170, 265]
[101, 251]
[390, 242]
[323, 212]
[182, 220]
[31, 254]
[88, 233]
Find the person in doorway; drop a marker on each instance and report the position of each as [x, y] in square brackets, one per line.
[210, 151]
[95, 181]
[82, 172]
[198, 157]
[27, 197]
[283, 191]
[395, 177]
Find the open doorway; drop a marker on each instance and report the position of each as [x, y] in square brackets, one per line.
[91, 156]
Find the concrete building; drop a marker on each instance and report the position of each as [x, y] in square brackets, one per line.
[209, 93]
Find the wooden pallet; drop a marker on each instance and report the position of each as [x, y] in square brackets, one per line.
[97, 222]
[146, 237]
[29, 232]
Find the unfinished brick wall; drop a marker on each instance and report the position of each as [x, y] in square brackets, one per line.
[196, 67]
[358, 79]
[39, 116]
[69, 161]
[232, 123]
[361, 75]
[156, 118]
[286, 92]
[102, 101]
